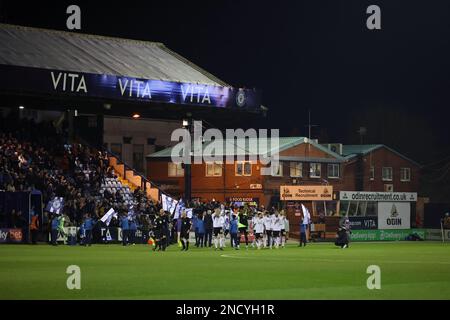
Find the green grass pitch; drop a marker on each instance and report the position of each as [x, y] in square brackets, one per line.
[409, 270]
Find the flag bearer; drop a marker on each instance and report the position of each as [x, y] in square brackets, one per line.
[88, 226]
[124, 224]
[234, 232]
[132, 231]
[54, 232]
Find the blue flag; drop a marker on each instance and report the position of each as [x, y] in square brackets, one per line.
[56, 205]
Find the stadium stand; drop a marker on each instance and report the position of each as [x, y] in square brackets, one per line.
[35, 156]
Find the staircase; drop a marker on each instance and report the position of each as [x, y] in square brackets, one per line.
[133, 180]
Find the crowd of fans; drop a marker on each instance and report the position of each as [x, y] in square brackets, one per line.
[36, 156]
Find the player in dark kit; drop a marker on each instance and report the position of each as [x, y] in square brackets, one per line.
[160, 232]
[185, 228]
[243, 225]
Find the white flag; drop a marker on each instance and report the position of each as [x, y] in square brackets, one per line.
[108, 216]
[168, 203]
[306, 215]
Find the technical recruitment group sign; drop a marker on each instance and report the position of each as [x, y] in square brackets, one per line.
[66, 83]
[306, 193]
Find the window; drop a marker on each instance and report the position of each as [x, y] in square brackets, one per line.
[176, 170]
[315, 170]
[92, 122]
[214, 169]
[296, 169]
[325, 208]
[277, 170]
[116, 149]
[333, 170]
[387, 173]
[372, 173]
[138, 157]
[127, 140]
[405, 174]
[243, 168]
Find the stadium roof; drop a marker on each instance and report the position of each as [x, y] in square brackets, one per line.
[76, 52]
[265, 149]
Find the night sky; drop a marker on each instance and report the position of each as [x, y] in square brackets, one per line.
[303, 55]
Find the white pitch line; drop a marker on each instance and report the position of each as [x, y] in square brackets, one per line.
[335, 260]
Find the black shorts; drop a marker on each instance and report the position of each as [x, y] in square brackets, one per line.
[276, 233]
[243, 230]
[258, 235]
[269, 233]
[185, 235]
[217, 231]
[283, 232]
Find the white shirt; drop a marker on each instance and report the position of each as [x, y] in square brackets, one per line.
[282, 222]
[276, 225]
[218, 222]
[268, 222]
[259, 225]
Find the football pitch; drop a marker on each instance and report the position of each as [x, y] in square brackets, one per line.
[409, 270]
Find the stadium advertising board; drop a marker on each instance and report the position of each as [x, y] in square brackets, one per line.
[436, 234]
[105, 235]
[72, 231]
[378, 196]
[11, 235]
[394, 215]
[363, 223]
[385, 235]
[67, 83]
[306, 193]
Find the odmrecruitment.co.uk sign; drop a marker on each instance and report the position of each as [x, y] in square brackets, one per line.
[378, 196]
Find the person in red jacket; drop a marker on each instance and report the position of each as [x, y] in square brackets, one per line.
[34, 228]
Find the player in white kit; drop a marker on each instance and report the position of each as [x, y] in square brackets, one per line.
[258, 227]
[268, 229]
[282, 231]
[218, 223]
[276, 228]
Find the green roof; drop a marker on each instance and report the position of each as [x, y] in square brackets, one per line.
[351, 151]
[250, 147]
